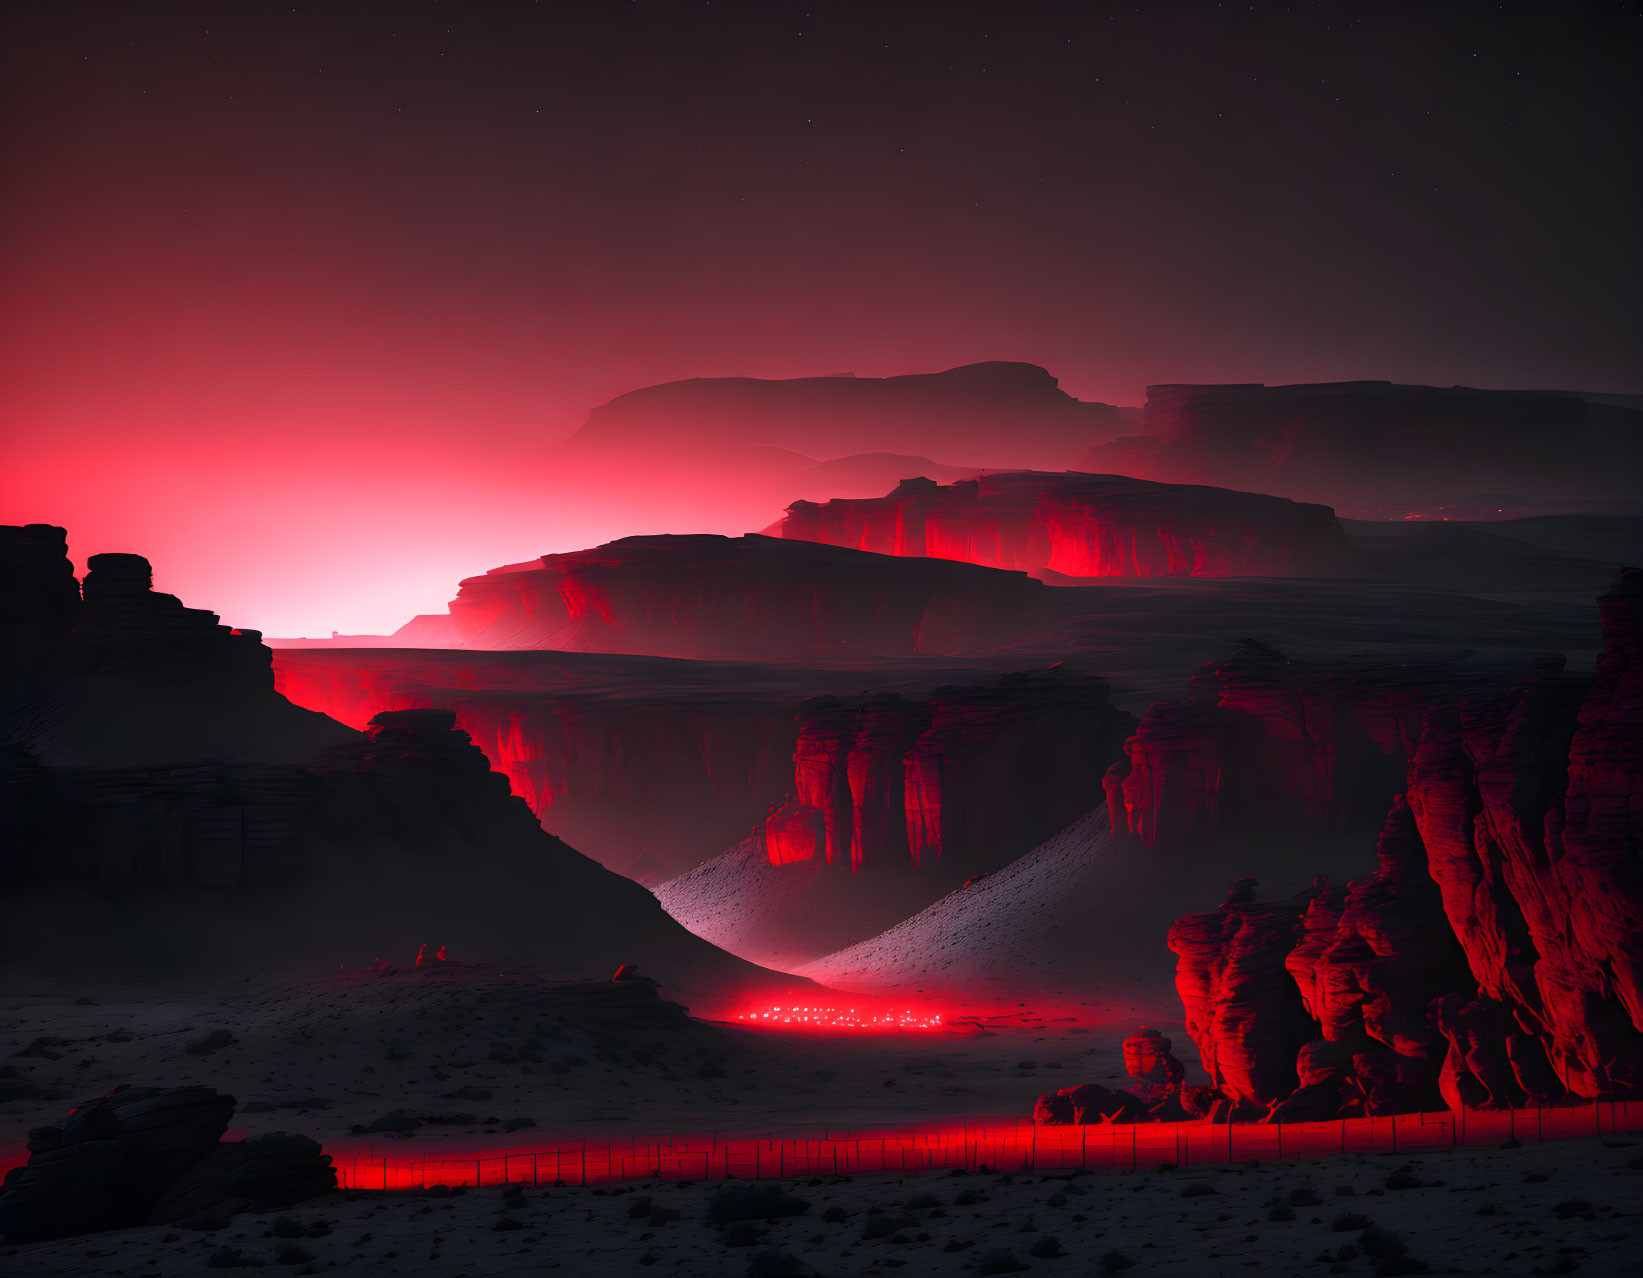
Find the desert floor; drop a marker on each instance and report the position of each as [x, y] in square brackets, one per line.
[1570, 1206]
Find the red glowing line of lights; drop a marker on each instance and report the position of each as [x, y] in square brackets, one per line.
[840, 1018]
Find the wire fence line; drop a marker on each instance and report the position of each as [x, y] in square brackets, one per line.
[987, 1145]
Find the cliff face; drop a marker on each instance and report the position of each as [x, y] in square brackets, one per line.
[1264, 742]
[1495, 956]
[958, 784]
[39, 601]
[163, 806]
[1078, 525]
[991, 414]
[1379, 450]
[719, 598]
[1241, 1008]
[650, 765]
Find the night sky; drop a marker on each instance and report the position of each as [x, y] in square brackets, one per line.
[295, 297]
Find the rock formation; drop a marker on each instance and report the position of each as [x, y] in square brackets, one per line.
[153, 1155]
[1154, 1096]
[1262, 741]
[1077, 525]
[962, 783]
[1376, 450]
[990, 414]
[169, 809]
[738, 598]
[649, 765]
[1242, 1009]
[1495, 956]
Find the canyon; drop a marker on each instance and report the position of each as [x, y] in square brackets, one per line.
[166, 808]
[1493, 959]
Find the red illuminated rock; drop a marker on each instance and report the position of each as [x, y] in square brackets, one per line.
[650, 765]
[1148, 1059]
[1087, 1104]
[965, 782]
[756, 597]
[1243, 1010]
[1261, 741]
[1078, 525]
[1376, 450]
[1593, 836]
[1491, 956]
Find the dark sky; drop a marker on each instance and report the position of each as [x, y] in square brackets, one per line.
[262, 264]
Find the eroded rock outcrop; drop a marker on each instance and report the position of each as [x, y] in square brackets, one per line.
[152, 1155]
[650, 765]
[39, 602]
[962, 782]
[169, 810]
[727, 598]
[1491, 959]
[1078, 525]
[1263, 742]
[1242, 1009]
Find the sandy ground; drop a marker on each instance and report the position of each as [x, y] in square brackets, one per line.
[323, 1055]
[1085, 911]
[1568, 1206]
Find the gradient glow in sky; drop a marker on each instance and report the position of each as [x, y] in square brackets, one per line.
[295, 298]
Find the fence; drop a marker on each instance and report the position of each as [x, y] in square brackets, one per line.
[1008, 1145]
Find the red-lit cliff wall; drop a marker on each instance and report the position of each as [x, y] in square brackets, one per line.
[960, 783]
[1261, 740]
[1496, 955]
[165, 807]
[1241, 1008]
[748, 597]
[1080, 525]
[643, 775]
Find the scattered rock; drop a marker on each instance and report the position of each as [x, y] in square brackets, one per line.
[215, 1041]
[745, 1202]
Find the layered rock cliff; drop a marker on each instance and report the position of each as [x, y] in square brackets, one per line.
[650, 765]
[162, 805]
[962, 782]
[990, 414]
[1495, 957]
[1266, 742]
[1076, 525]
[724, 598]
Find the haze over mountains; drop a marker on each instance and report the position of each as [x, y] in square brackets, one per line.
[804, 740]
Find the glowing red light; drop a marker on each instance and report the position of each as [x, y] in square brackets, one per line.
[851, 1019]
